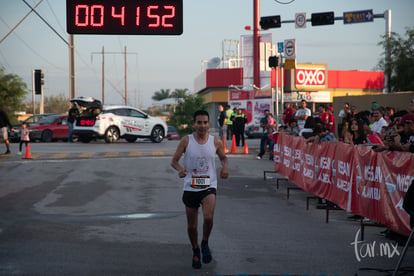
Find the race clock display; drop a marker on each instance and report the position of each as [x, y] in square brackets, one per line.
[125, 17]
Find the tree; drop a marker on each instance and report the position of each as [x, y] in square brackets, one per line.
[179, 94]
[12, 93]
[56, 104]
[182, 118]
[401, 64]
[161, 95]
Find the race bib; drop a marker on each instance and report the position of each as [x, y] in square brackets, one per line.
[200, 181]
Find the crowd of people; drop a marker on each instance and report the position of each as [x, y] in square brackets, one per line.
[383, 128]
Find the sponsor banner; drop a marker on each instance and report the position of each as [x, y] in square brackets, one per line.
[356, 178]
[254, 110]
[236, 95]
[311, 77]
[315, 97]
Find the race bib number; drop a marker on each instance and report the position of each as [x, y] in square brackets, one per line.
[200, 181]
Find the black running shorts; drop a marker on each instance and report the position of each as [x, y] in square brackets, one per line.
[193, 199]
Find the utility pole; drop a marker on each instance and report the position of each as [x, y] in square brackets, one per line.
[103, 75]
[72, 79]
[125, 53]
[126, 82]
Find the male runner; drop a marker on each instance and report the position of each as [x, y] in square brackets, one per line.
[200, 180]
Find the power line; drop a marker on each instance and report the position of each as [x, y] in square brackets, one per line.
[19, 22]
[30, 48]
[54, 14]
[50, 26]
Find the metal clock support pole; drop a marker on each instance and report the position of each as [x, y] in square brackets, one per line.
[72, 80]
[33, 90]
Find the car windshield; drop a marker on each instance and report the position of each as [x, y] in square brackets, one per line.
[36, 118]
[48, 120]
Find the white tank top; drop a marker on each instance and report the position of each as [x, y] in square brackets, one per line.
[199, 161]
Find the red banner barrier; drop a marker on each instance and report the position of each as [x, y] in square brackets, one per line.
[355, 178]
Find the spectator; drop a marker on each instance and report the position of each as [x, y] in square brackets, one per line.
[374, 106]
[4, 124]
[331, 121]
[292, 128]
[353, 112]
[321, 134]
[341, 115]
[73, 113]
[309, 128]
[302, 114]
[389, 113]
[239, 123]
[379, 121]
[287, 114]
[228, 122]
[24, 136]
[282, 129]
[220, 120]
[268, 124]
[323, 115]
[356, 135]
[345, 129]
[397, 118]
[403, 141]
[295, 108]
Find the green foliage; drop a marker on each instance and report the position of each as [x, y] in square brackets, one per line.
[12, 93]
[402, 60]
[161, 95]
[56, 104]
[179, 94]
[182, 118]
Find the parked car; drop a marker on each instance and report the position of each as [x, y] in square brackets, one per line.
[112, 122]
[15, 136]
[253, 131]
[173, 133]
[50, 128]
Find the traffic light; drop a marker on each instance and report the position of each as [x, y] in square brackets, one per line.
[38, 81]
[323, 18]
[273, 61]
[268, 22]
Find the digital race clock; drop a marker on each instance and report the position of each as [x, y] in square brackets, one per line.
[134, 17]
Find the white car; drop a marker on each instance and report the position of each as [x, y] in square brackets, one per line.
[112, 122]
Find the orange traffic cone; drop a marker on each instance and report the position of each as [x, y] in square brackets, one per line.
[233, 145]
[27, 154]
[224, 145]
[246, 148]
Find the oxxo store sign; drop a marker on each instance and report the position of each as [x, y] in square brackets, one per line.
[310, 77]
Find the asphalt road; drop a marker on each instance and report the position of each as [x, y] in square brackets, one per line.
[123, 215]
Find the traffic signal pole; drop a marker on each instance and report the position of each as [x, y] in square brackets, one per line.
[256, 44]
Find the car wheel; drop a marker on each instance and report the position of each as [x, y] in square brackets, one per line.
[112, 135]
[47, 136]
[131, 140]
[157, 134]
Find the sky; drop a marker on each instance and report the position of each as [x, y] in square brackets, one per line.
[171, 62]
